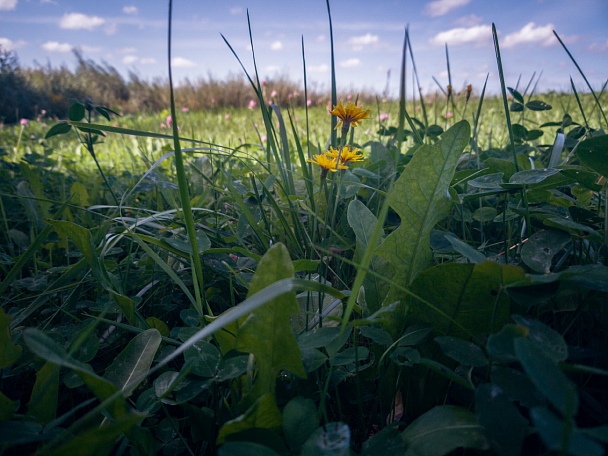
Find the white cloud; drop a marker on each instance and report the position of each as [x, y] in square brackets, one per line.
[130, 9]
[56, 46]
[7, 5]
[350, 63]
[272, 69]
[129, 59]
[323, 68]
[180, 62]
[90, 48]
[441, 7]
[597, 47]
[358, 42]
[236, 10]
[468, 21]
[530, 33]
[478, 34]
[127, 50]
[77, 21]
[276, 46]
[147, 61]
[10, 45]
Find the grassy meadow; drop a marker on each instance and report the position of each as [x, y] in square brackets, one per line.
[298, 273]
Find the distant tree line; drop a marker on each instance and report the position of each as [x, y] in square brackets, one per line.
[24, 92]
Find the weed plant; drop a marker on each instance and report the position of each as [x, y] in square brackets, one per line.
[421, 278]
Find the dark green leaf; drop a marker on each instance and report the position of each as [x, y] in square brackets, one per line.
[547, 377]
[516, 107]
[377, 335]
[442, 430]
[466, 353]
[204, 358]
[237, 448]
[386, 442]
[540, 248]
[503, 425]
[537, 105]
[593, 153]
[76, 112]
[552, 429]
[516, 95]
[300, 420]
[60, 128]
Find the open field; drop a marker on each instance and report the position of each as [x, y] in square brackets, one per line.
[420, 278]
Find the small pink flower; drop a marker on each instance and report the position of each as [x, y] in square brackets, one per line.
[349, 96]
[383, 116]
[290, 95]
[185, 109]
[273, 94]
[264, 138]
[169, 121]
[264, 82]
[162, 125]
[227, 116]
[38, 119]
[449, 115]
[213, 101]
[43, 112]
[24, 122]
[308, 102]
[252, 104]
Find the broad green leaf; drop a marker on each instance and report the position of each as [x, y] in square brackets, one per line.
[60, 128]
[98, 440]
[300, 420]
[9, 352]
[76, 112]
[576, 229]
[264, 413]
[443, 429]
[547, 377]
[43, 402]
[377, 335]
[47, 349]
[593, 153]
[7, 408]
[267, 331]
[330, 439]
[127, 305]
[238, 448]
[537, 105]
[540, 248]
[420, 198]
[134, 361]
[487, 181]
[466, 353]
[503, 425]
[81, 237]
[471, 304]
[80, 194]
[552, 429]
[507, 167]
[204, 357]
[474, 255]
[531, 177]
[159, 325]
[386, 442]
[516, 95]
[363, 222]
[517, 385]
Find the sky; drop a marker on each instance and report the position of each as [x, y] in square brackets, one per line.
[131, 36]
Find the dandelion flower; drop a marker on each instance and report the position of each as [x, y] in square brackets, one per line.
[350, 114]
[326, 162]
[347, 155]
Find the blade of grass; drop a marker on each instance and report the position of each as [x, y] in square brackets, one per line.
[334, 96]
[403, 115]
[597, 101]
[182, 183]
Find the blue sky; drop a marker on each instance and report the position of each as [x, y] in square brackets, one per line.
[368, 35]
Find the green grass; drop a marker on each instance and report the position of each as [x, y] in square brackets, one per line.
[454, 279]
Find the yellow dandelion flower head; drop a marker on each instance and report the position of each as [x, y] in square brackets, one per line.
[326, 162]
[347, 155]
[350, 114]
